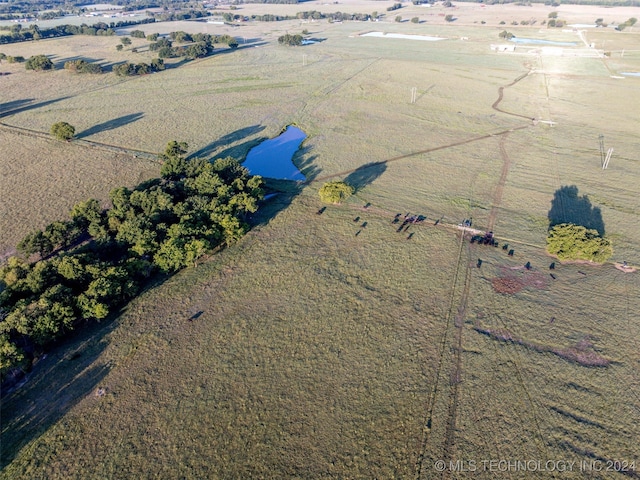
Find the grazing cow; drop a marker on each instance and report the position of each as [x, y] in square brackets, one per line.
[364, 224]
[552, 266]
[410, 235]
[527, 265]
[321, 211]
[479, 264]
[357, 219]
[358, 232]
[511, 252]
[505, 246]
[552, 276]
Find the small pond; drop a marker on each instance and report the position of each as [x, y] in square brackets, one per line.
[535, 41]
[273, 157]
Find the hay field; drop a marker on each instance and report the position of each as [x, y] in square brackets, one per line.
[307, 351]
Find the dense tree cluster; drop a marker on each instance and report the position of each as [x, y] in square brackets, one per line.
[93, 263]
[290, 40]
[568, 241]
[199, 44]
[629, 23]
[82, 66]
[131, 69]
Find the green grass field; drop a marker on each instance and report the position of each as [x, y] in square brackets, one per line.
[309, 350]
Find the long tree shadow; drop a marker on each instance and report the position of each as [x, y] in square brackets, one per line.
[306, 163]
[59, 62]
[19, 106]
[568, 207]
[241, 150]
[69, 373]
[8, 106]
[365, 175]
[111, 124]
[227, 139]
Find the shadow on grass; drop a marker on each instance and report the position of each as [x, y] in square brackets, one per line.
[240, 151]
[60, 63]
[110, 124]
[568, 207]
[365, 175]
[232, 137]
[19, 106]
[57, 382]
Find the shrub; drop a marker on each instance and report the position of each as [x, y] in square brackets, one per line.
[568, 241]
[335, 192]
[63, 131]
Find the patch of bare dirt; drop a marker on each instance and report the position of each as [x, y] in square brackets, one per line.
[625, 268]
[508, 285]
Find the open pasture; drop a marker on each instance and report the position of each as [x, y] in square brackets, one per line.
[334, 345]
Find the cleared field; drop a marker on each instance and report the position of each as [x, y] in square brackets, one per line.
[323, 346]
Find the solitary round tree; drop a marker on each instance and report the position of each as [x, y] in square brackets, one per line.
[63, 131]
[568, 241]
[38, 63]
[335, 192]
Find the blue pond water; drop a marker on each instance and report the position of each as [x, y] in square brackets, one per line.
[273, 157]
[535, 41]
[631, 74]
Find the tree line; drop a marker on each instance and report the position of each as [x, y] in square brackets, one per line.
[91, 264]
[18, 34]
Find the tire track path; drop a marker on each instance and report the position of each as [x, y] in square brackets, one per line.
[453, 337]
[453, 328]
[84, 143]
[418, 152]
